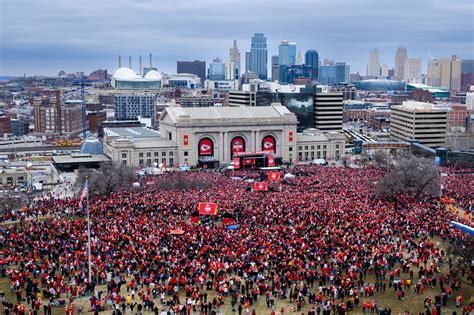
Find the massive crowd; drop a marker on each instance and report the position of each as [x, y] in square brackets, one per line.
[313, 241]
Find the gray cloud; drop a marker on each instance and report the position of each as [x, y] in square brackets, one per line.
[45, 36]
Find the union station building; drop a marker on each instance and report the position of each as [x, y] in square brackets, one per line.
[212, 136]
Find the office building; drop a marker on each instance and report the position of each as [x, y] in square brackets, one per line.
[247, 62]
[286, 53]
[290, 73]
[400, 58]
[5, 125]
[216, 70]
[458, 116]
[183, 81]
[19, 127]
[312, 59]
[412, 70]
[328, 108]
[258, 55]
[467, 73]
[445, 73]
[133, 106]
[334, 74]
[231, 71]
[419, 121]
[275, 69]
[384, 71]
[373, 66]
[52, 118]
[234, 56]
[348, 90]
[196, 67]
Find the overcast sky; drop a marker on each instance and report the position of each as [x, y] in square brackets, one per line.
[45, 36]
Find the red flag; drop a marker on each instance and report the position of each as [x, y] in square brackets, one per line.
[271, 161]
[207, 208]
[236, 162]
[260, 186]
[273, 176]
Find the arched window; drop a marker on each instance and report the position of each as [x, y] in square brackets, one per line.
[269, 144]
[206, 147]
[237, 145]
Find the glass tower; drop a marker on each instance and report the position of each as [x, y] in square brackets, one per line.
[312, 60]
[258, 55]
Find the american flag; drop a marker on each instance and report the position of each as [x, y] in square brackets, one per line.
[84, 192]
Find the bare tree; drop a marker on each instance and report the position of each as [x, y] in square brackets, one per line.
[110, 177]
[380, 159]
[412, 175]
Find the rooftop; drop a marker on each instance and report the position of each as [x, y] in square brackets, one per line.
[79, 158]
[275, 111]
[131, 132]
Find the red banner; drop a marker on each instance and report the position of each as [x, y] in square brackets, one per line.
[273, 176]
[195, 220]
[206, 147]
[268, 144]
[227, 221]
[260, 186]
[237, 145]
[290, 136]
[185, 140]
[249, 161]
[271, 161]
[236, 163]
[207, 208]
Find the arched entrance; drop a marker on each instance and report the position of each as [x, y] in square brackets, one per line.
[237, 145]
[269, 144]
[206, 147]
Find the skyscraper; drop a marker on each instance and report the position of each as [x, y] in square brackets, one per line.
[234, 56]
[275, 68]
[373, 66]
[286, 53]
[467, 73]
[412, 71]
[312, 59]
[400, 57]
[247, 61]
[445, 73]
[216, 70]
[258, 55]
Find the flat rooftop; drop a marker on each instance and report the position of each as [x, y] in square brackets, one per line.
[131, 132]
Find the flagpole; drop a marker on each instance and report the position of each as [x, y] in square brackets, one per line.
[89, 237]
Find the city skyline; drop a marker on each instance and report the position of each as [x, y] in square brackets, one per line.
[86, 37]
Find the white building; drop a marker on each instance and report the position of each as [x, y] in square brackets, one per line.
[412, 71]
[419, 121]
[399, 68]
[373, 66]
[216, 135]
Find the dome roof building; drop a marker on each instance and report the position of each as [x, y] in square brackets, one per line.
[126, 78]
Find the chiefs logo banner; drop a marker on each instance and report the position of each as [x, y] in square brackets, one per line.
[207, 208]
[185, 140]
[274, 176]
[236, 163]
[290, 136]
[268, 144]
[260, 186]
[237, 145]
[206, 147]
[271, 161]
